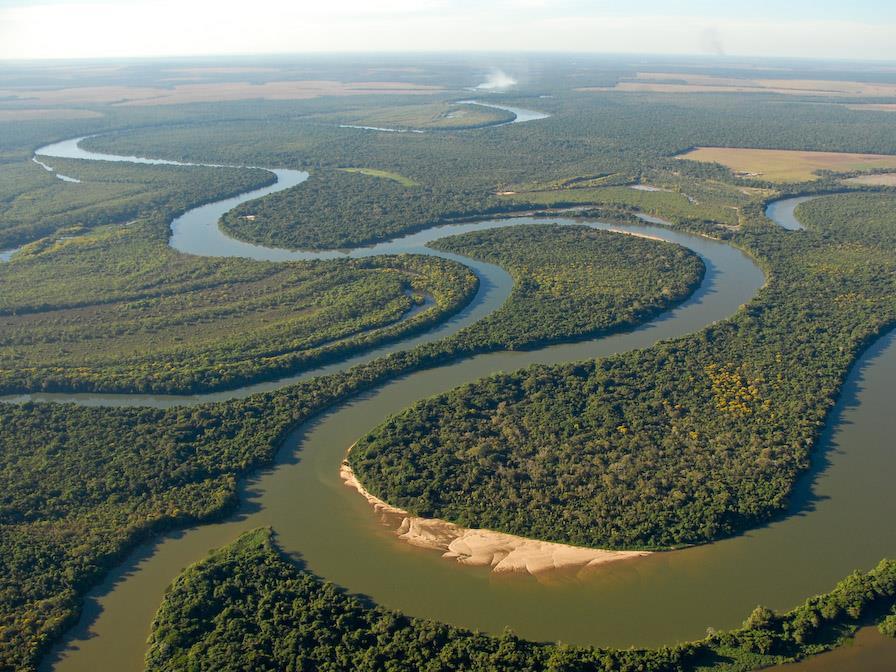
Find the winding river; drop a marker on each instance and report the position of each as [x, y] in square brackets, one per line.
[663, 598]
[519, 116]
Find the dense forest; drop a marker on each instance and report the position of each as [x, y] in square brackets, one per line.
[164, 322]
[438, 116]
[671, 204]
[571, 282]
[681, 443]
[64, 518]
[339, 209]
[460, 172]
[247, 607]
[34, 203]
[103, 303]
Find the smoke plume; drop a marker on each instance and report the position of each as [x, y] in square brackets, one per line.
[496, 80]
[711, 41]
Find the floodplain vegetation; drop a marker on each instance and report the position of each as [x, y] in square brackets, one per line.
[247, 607]
[688, 441]
[216, 326]
[324, 211]
[111, 307]
[82, 485]
[672, 204]
[572, 281]
[34, 203]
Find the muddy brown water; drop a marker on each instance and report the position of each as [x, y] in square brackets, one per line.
[841, 516]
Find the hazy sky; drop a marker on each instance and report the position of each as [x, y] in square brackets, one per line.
[860, 29]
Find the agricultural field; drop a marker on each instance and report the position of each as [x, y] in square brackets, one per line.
[874, 107]
[670, 82]
[179, 94]
[877, 180]
[28, 114]
[784, 165]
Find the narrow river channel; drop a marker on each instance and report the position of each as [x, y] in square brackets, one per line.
[663, 598]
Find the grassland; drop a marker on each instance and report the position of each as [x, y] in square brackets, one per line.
[878, 180]
[785, 165]
[384, 174]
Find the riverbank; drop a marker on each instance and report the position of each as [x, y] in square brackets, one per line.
[504, 553]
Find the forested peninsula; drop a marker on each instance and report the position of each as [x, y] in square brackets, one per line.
[246, 606]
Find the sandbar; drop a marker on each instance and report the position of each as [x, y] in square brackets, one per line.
[504, 553]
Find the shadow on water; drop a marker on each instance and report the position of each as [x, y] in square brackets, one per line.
[805, 498]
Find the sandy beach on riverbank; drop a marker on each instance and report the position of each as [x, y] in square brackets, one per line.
[504, 553]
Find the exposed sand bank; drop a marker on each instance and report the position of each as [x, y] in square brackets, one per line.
[504, 553]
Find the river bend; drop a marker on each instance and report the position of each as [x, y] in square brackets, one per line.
[659, 599]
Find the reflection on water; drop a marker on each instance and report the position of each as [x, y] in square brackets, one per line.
[521, 115]
[783, 212]
[869, 652]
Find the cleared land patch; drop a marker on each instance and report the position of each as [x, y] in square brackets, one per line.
[880, 180]
[874, 107]
[786, 165]
[46, 113]
[673, 82]
[217, 92]
[384, 174]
